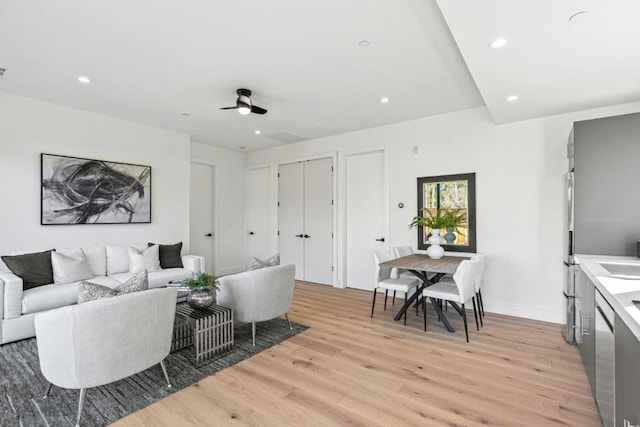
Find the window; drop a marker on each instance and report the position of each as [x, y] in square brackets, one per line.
[454, 194]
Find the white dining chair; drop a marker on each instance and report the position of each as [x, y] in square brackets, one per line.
[383, 280]
[398, 273]
[482, 259]
[460, 291]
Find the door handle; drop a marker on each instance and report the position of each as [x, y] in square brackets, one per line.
[251, 233]
[306, 236]
[380, 239]
[299, 235]
[208, 235]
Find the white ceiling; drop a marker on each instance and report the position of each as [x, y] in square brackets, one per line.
[149, 61]
[553, 65]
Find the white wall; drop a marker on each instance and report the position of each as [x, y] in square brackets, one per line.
[229, 205]
[29, 127]
[520, 193]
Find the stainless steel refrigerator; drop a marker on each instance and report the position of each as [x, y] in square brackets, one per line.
[570, 262]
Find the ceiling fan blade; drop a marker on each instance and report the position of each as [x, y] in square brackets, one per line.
[228, 108]
[258, 110]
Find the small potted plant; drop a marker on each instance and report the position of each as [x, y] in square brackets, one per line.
[452, 220]
[202, 290]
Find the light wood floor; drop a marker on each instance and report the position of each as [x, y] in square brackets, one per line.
[348, 369]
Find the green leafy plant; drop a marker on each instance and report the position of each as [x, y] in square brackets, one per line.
[201, 281]
[453, 219]
[444, 218]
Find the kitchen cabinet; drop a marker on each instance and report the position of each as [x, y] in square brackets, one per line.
[585, 325]
[627, 376]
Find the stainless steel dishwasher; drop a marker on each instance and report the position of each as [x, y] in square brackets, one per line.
[605, 361]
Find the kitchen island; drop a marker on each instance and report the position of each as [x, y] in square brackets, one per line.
[608, 334]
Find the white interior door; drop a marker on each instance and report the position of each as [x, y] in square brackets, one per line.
[201, 219]
[365, 216]
[290, 216]
[259, 213]
[318, 221]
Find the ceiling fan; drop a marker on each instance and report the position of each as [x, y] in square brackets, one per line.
[244, 105]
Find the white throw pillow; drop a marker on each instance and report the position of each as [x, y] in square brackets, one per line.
[67, 269]
[149, 259]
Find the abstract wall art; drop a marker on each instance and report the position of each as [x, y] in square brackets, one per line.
[86, 191]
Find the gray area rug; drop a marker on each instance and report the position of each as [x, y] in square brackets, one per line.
[22, 385]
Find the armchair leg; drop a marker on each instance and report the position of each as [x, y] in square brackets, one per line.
[253, 332]
[286, 316]
[83, 392]
[166, 375]
[386, 294]
[46, 393]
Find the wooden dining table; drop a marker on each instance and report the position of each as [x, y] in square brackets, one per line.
[421, 265]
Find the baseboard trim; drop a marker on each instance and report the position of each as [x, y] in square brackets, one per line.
[525, 311]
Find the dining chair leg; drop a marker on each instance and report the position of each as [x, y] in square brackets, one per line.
[393, 301]
[475, 313]
[166, 374]
[406, 294]
[373, 304]
[481, 302]
[480, 315]
[464, 317]
[424, 312]
[386, 294]
[46, 393]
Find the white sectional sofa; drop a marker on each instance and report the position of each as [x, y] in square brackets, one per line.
[108, 264]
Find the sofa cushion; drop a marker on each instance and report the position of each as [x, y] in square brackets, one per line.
[52, 296]
[96, 256]
[67, 269]
[34, 268]
[170, 255]
[160, 278]
[118, 258]
[48, 297]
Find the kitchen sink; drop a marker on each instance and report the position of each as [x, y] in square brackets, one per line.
[622, 270]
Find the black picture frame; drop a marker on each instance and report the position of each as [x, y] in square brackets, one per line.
[81, 191]
[471, 206]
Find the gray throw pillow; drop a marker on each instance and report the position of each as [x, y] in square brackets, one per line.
[272, 261]
[34, 269]
[88, 291]
[170, 255]
[137, 283]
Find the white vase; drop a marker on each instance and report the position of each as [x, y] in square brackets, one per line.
[435, 251]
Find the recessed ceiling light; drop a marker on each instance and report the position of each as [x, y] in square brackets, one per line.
[512, 98]
[84, 79]
[384, 100]
[363, 43]
[257, 132]
[242, 147]
[185, 114]
[498, 43]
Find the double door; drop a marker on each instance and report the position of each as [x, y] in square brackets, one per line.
[305, 219]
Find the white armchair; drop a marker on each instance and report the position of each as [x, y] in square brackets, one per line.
[103, 341]
[258, 295]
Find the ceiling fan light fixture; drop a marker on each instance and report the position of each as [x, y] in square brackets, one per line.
[244, 109]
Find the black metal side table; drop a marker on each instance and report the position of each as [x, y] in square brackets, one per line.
[209, 330]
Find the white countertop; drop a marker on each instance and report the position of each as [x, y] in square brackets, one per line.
[619, 292]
